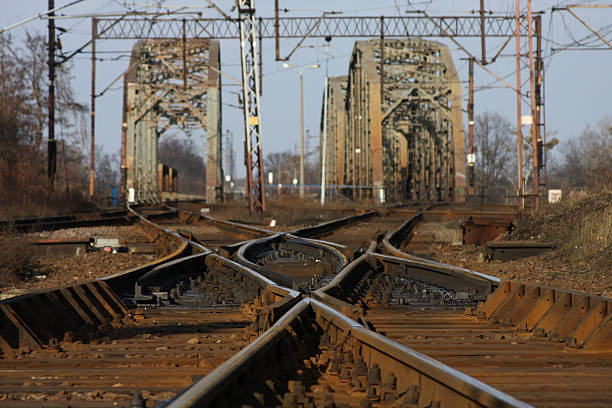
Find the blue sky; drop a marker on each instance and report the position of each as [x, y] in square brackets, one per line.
[578, 83]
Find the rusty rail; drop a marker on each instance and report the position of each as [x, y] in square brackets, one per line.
[190, 217]
[390, 372]
[309, 336]
[329, 226]
[89, 219]
[255, 251]
[579, 319]
[38, 318]
[123, 282]
[83, 307]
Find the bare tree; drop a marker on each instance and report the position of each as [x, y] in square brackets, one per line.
[284, 166]
[23, 123]
[107, 168]
[588, 158]
[495, 149]
[180, 153]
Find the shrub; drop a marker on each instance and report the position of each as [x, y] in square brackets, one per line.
[17, 261]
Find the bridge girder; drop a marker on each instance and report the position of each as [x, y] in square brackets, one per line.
[405, 142]
[171, 83]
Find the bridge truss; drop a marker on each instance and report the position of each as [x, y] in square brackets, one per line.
[170, 83]
[403, 138]
[419, 25]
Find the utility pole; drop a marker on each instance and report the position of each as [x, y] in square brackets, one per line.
[324, 147]
[252, 108]
[51, 146]
[534, 138]
[302, 68]
[471, 156]
[301, 134]
[518, 108]
[538, 123]
[230, 161]
[295, 161]
[482, 33]
[92, 154]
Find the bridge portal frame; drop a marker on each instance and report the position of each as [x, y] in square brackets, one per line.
[170, 82]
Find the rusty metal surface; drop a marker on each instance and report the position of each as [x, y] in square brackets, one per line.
[314, 355]
[511, 250]
[540, 372]
[61, 247]
[170, 82]
[80, 345]
[359, 235]
[533, 366]
[326, 228]
[480, 229]
[156, 352]
[216, 233]
[291, 261]
[40, 318]
[86, 219]
[576, 319]
[302, 354]
[403, 131]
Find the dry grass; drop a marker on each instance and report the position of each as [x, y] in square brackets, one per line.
[592, 241]
[581, 228]
[288, 211]
[17, 260]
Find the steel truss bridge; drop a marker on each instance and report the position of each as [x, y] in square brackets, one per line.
[394, 125]
[415, 146]
[170, 83]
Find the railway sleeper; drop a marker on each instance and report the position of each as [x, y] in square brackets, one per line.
[209, 280]
[315, 356]
[368, 282]
[87, 311]
[578, 319]
[40, 320]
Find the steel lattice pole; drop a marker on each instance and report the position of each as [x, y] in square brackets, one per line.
[252, 111]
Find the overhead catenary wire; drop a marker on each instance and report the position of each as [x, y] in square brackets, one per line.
[39, 15]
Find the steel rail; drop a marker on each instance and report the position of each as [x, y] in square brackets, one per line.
[120, 217]
[330, 226]
[278, 299]
[167, 274]
[226, 224]
[346, 290]
[123, 282]
[437, 383]
[254, 250]
[37, 318]
[576, 318]
[403, 232]
[86, 219]
[336, 292]
[579, 319]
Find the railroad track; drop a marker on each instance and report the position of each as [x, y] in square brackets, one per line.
[159, 354]
[527, 341]
[115, 341]
[86, 219]
[228, 290]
